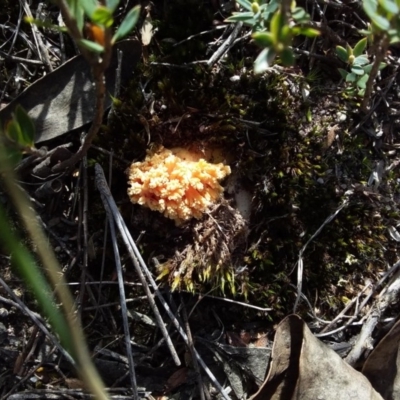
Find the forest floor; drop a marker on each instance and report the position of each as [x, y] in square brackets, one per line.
[307, 223]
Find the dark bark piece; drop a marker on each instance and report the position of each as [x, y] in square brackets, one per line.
[64, 99]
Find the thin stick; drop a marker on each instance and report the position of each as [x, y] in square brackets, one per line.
[388, 296]
[301, 252]
[111, 210]
[223, 49]
[138, 259]
[124, 310]
[191, 348]
[37, 320]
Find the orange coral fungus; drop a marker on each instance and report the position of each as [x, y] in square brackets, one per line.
[177, 183]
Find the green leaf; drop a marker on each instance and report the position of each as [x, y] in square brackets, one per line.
[356, 69]
[115, 101]
[102, 16]
[80, 18]
[13, 131]
[92, 46]
[277, 22]
[300, 15]
[13, 157]
[245, 4]
[362, 82]
[361, 60]
[127, 24]
[112, 4]
[26, 126]
[306, 31]
[264, 60]
[343, 73]
[349, 50]
[389, 6]
[89, 6]
[342, 53]
[381, 22]
[367, 68]
[76, 10]
[44, 24]
[287, 57]
[360, 47]
[370, 7]
[351, 77]
[245, 17]
[286, 35]
[272, 6]
[263, 39]
[33, 276]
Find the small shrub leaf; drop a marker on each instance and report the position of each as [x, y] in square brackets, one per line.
[26, 126]
[263, 39]
[362, 82]
[360, 47]
[89, 6]
[127, 24]
[277, 23]
[112, 4]
[343, 73]
[13, 131]
[287, 57]
[389, 6]
[92, 46]
[306, 31]
[245, 17]
[102, 16]
[356, 69]
[245, 4]
[264, 60]
[342, 53]
[361, 60]
[351, 77]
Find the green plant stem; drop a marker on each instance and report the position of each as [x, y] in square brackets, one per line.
[75, 343]
[99, 64]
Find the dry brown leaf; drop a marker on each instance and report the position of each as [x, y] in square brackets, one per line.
[176, 379]
[382, 366]
[304, 368]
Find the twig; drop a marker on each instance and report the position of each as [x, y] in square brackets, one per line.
[328, 32]
[226, 45]
[199, 34]
[112, 212]
[138, 259]
[84, 223]
[37, 320]
[381, 49]
[191, 348]
[301, 252]
[388, 296]
[124, 310]
[239, 303]
[343, 312]
[42, 50]
[19, 59]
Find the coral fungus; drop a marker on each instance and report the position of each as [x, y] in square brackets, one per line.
[179, 184]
